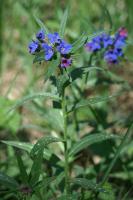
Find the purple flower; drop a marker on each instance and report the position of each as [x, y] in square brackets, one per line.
[92, 46]
[66, 62]
[107, 40]
[54, 38]
[40, 35]
[64, 47]
[111, 56]
[119, 43]
[118, 52]
[97, 39]
[123, 32]
[33, 46]
[48, 51]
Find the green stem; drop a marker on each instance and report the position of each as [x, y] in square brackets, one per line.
[64, 109]
[105, 178]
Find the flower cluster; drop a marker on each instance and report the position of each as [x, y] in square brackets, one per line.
[50, 44]
[112, 46]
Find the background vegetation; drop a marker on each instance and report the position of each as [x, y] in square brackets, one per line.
[19, 77]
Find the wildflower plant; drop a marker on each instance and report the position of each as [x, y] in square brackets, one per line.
[58, 180]
[111, 46]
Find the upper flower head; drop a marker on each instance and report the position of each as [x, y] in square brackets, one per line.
[40, 35]
[64, 47]
[33, 46]
[48, 51]
[54, 38]
[66, 62]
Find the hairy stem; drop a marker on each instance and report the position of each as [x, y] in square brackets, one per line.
[64, 109]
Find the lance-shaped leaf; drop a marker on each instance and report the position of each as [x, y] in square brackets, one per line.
[86, 184]
[45, 182]
[31, 97]
[42, 143]
[91, 101]
[90, 139]
[36, 167]
[22, 169]
[53, 65]
[27, 147]
[41, 24]
[63, 22]
[79, 43]
[62, 82]
[8, 182]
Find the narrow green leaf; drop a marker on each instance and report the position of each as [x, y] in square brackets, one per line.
[41, 24]
[118, 151]
[91, 101]
[45, 182]
[80, 71]
[8, 182]
[62, 82]
[86, 184]
[79, 43]
[63, 22]
[27, 147]
[52, 68]
[36, 167]
[42, 143]
[90, 139]
[22, 169]
[32, 97]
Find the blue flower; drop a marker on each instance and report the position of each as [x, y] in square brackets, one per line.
[92, 46]
[48, 51]
[33, 46]
[64, 47]
[54, 38]
[119, 52]
[40, 35]
[111, 56]
[107, 40]
[119, 43]
[97, 39]
[66, 62]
